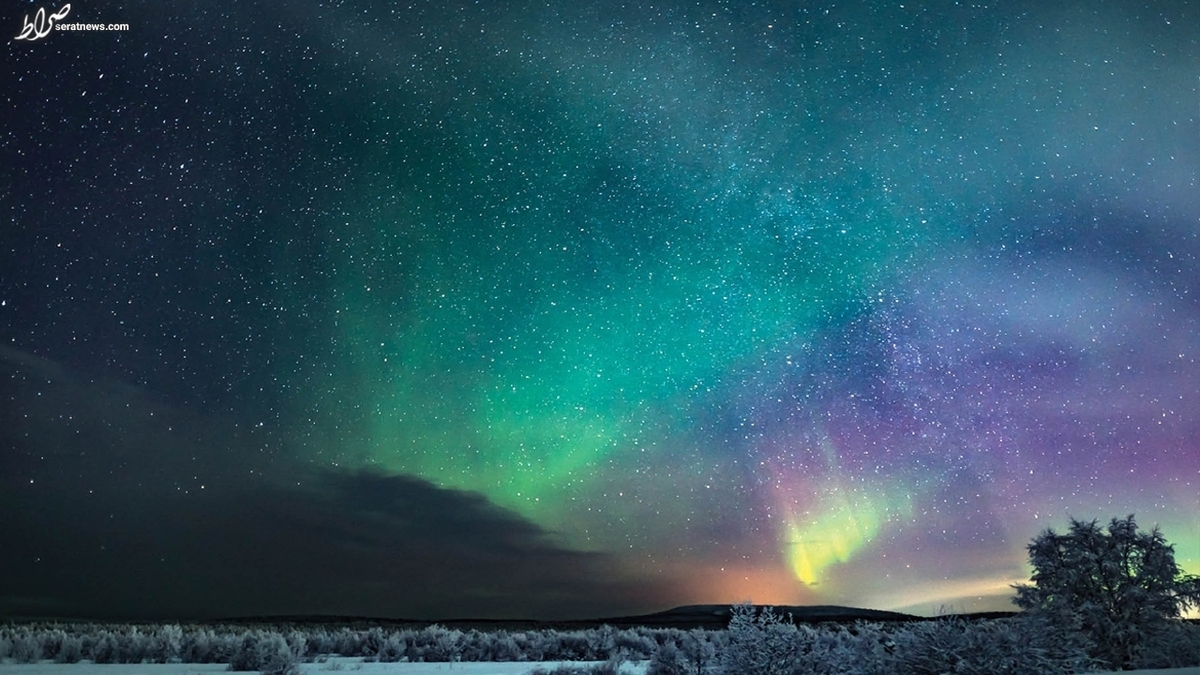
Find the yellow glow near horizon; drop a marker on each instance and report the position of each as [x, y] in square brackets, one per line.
[843, 524]
[827, 528]
[814, 546]
[973, 594]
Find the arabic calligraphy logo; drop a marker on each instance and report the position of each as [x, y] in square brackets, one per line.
[42, 24]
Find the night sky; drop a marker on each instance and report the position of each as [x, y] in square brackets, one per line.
[587, 308]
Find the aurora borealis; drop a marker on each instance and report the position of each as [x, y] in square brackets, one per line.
[578, 309]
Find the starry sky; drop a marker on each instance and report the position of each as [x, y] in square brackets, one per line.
[575, 309]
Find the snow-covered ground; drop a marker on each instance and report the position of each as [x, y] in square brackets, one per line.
[355, 665]
[1164, 671]
[333, 665]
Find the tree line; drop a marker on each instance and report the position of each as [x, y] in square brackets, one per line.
[1100, 598]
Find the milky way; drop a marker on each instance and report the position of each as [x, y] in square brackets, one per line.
[804, 303]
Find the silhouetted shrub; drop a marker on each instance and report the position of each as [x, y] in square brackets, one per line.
[669, 660]
[394, 648]
[635, 644]
[70, 650]
[1174, 645]
[259, 650]
[436, 644]
[105, 649]
[280, 659]
[26, 648]
[759, 642]
[201, 646]
[1001, 647]
[505, 648]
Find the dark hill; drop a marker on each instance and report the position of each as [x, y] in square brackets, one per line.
[717, 616]
[713, 617]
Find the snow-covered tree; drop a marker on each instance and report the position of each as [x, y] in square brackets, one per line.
[759, 642]
[1117, 584]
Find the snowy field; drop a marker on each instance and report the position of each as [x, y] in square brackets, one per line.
[1164, 671]
[333, 665]
[355, 665]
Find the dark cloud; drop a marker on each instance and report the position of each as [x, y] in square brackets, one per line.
[99, 524]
